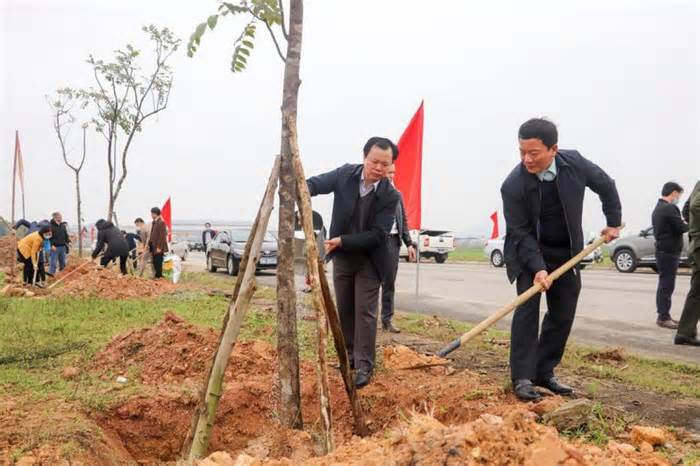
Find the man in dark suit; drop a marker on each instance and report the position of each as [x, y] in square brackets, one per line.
[364, 206]
[399, 233]
[543, 204]
[668, 232]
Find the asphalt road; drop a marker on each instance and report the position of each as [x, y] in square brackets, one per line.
[614, 309]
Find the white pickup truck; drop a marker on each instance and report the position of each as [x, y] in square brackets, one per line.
[433, 243]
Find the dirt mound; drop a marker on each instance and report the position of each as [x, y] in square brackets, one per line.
[81, 279]
[403, 357]
[8, 252]
[513, 439]
[172, 359]
[607, 355]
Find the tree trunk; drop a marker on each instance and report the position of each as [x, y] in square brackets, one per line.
[312, 264]
[287, 344]
[80, 215]
[205, 414]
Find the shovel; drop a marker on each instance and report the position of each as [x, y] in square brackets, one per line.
[521, 299]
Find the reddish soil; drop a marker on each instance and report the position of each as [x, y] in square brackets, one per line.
[419, 416]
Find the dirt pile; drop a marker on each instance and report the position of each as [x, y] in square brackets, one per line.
[610, 355]
[81, 279]
[172, 357]
[403, 357]
[515, 438]
[8, 252]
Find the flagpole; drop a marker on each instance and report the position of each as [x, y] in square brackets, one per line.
[417, 271]
[14, 178]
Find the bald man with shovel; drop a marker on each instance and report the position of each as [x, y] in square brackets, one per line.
[542, 205]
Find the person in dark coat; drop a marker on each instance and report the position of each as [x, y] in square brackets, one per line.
[364, 206]
[108, 235]
[543, 204]
[399, 234]
[158, 241]
[208, 234]
[132, 240]
[60, 242]
[668, 231]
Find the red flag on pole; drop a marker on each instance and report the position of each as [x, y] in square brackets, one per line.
[494, 231]
[409, 168]
[17, 172]
[166, 213]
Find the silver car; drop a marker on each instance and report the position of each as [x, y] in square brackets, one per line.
[494, 251]
[633, 251]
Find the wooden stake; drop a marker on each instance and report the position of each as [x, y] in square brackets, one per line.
[318, 277]
[205, 414]
[312, 260]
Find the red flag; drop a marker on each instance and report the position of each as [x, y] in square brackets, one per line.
[494, 219]
[409, 168]
[166, 213]
[17, 172]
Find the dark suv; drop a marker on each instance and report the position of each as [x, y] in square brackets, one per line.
[226, 250]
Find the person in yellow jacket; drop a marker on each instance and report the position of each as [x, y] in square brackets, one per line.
[28, 250]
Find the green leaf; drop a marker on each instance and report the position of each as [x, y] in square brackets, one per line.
[211, 21]
[248, 44]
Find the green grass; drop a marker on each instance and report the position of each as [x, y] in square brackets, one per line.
[467, 255]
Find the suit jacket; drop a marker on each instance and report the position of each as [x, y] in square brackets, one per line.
[344, 183]
[521, 195]
[693, 218]
[159, 237]
[402, 223]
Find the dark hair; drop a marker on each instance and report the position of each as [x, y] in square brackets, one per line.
[155, 210]
[207, 224]
[671, 187]
[382, 143]
[539, 128]
[44, 229]
[139, 220]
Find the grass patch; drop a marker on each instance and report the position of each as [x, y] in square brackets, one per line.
[600, 428]
[467, 255]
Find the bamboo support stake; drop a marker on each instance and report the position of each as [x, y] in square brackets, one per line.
[205, 414]
[312, 260]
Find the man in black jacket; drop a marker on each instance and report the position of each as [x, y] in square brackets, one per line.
[543, 204]
[364, 205]
[117, 247]
[399, 234]
[668, 231]
[60, 240]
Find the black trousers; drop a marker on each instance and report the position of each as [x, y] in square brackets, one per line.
[534, 356]
[688, 325]
[667, 267]
[389, 283]
[356, 286]
[108, 257]
[158, 265]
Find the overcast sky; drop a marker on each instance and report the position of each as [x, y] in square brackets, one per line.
[620, 78]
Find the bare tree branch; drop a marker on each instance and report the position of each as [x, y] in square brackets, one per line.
[284, 26]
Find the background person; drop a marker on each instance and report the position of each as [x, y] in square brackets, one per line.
[60, 241]
[29, 249]
[158, 241]
[108, 235]
[668, 230]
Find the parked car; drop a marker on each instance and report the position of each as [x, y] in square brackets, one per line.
[179, 248]
[634, 251]
[435, 244]
[494, 251]
[226, 251]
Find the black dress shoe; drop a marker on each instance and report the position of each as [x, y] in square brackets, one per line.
[362, 378]
[524, 389]
[553, 385]
[686, 340]
[389, 327]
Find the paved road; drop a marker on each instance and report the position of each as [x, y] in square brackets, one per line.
[614, 310]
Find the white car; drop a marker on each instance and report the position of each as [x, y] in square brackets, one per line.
[494, 251]
[179, 248]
